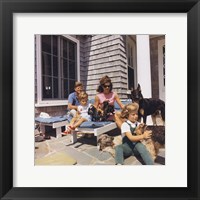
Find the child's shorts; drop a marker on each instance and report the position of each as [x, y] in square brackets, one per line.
[87, 117]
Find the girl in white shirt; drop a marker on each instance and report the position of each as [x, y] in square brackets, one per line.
[131, 144]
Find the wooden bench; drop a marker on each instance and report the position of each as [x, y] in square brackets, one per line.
[55, 122]
[96, 130]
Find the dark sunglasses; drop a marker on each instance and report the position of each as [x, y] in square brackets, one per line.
[106, 86]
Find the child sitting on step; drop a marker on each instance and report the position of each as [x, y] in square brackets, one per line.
[131, 144]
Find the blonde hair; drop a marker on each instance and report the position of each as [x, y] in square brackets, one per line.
[129, 108]
[82, 95]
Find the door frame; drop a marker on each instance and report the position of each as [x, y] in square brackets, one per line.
[161, 43]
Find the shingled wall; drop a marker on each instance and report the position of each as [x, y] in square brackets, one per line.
[103, 55]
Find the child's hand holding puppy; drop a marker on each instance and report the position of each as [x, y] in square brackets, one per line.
[147, 134]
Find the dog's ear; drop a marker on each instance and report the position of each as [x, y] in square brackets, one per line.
[99, 140]
[101, 137]
[138, 87]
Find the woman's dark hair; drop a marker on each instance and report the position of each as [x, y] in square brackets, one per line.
[100, 88]
[103, 81]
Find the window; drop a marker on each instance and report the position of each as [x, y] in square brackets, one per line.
[57, 67]
[161, 68]
[50, 67]
[164, 65]
[131, 62]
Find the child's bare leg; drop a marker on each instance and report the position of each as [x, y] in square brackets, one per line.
[71, 124]
[72, 127]
[79, 122]
[74, 119]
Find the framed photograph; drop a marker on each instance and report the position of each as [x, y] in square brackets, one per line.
[144, 42]
[104, 57]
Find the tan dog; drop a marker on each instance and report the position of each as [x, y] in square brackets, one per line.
[107, 143]
[157, 139]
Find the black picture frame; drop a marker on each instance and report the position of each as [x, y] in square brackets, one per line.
[8, 7]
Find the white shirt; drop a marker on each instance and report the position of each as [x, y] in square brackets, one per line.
[84, 110]
[126, 128]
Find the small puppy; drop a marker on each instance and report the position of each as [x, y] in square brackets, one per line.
[107, 110]
[103, 114]
[157, 139]
[95, 114]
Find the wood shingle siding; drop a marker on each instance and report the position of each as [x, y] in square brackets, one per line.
[103, 55]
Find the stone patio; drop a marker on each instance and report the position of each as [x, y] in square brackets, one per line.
[60, 151]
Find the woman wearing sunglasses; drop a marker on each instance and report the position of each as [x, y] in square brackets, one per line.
[106, 94]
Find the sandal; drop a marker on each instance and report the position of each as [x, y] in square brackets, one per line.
[68, 130]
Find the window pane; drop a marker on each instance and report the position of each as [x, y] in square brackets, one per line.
[72, 70]
[46, 64]
[65, 90]
[47, 87]
[55, 45]
[72, 52]
[65, 68]
[68, 86]
[71, 86]
[64, 48]
[55, 66]
[55, 88]
[130, 78]
[46, 43]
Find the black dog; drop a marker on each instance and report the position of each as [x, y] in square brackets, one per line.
[101, 115]
[95, 114]
[148, 106]
[107, 110]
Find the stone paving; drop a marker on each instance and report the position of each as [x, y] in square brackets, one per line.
[60, 151]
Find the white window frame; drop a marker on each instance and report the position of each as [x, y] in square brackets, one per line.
[130, 41]
[160, 69]
[44, 103]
